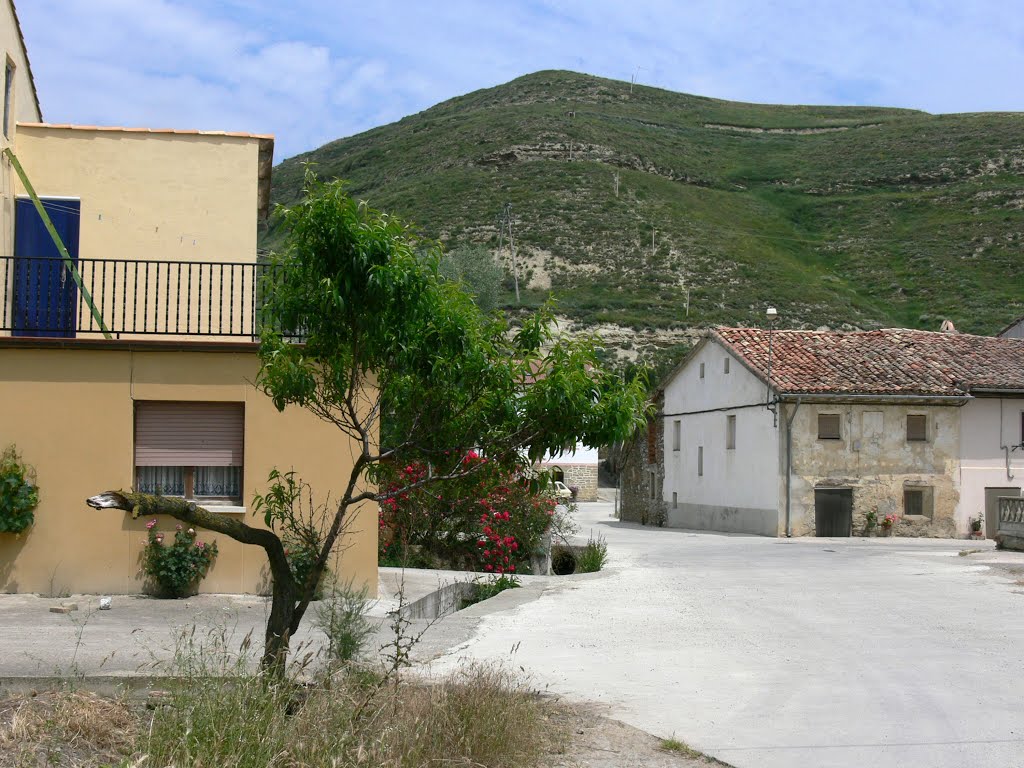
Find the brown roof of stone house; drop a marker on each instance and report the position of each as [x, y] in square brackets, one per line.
[887, 362]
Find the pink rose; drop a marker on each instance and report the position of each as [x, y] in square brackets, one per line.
[159, 538]
[150, 524]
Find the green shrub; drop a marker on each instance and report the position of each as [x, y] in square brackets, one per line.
[342, 617]
[594, 555]
[178, 567]
[484, 590]
[19, 494]
[489, 520]
[301, 557]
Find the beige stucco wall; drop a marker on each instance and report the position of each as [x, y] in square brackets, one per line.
[876, 461]
[149, 197]
[70, 413]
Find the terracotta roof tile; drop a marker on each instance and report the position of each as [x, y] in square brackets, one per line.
[892, 361]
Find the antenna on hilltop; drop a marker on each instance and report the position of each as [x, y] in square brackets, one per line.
[633, 79]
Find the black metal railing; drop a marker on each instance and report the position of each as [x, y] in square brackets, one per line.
[41, 297]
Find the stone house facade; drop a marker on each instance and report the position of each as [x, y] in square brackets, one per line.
[643, 473]
[817, 433]
[577, 469]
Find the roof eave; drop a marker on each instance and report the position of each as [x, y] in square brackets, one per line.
[881, 398]
[28, 61]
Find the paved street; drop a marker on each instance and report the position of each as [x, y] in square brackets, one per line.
[782, 653]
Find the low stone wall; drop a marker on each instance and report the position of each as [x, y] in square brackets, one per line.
[584, 477]
[1011, 524]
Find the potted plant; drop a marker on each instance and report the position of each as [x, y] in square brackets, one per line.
[976, 531]
[887, 524]
[871, 522]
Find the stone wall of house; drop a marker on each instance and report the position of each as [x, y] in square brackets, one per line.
[643, 475]
[583, 477]
[874, 458]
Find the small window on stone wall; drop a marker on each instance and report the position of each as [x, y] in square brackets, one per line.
[918, 502]
[829, 426]
[677, 432]
[702, 370]
[653, 480]
[675, 500]
[700, 461]
[730, 432]
[917, 428]
[726, 368]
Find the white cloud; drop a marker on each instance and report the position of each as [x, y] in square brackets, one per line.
[310, 71]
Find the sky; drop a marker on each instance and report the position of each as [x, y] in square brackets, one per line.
[310, 71]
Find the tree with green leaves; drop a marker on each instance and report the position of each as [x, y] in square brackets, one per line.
[478, 272]
[379, 324]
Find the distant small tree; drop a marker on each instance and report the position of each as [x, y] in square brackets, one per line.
[477, 270]
[379, 323]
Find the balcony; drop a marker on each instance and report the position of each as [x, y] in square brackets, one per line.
[133, 299]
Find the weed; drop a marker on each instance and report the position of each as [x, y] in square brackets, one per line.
[593, 556]
[342, 618]
[485, 590]
[966, 552]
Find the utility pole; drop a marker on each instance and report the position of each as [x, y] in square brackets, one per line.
[512, 247]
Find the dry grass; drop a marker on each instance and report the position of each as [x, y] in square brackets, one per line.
[65, 729]
[481, 716]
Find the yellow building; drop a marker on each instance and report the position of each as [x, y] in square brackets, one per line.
[151, 386]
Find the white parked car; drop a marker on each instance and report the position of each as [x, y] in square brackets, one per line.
[561, 491]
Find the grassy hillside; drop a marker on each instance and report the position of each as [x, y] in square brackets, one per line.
[837, 215]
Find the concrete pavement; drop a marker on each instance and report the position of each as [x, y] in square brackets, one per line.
[782, 653]
[140, 635]
[762, 652]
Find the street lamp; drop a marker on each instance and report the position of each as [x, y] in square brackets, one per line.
[772, 314]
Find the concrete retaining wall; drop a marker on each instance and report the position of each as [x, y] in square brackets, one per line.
[703, 517]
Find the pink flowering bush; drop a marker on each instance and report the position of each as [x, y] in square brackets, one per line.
[489, 520]
[177, 567]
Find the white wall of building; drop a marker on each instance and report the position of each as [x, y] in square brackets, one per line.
[739, 488]
[986, 425]
[1015, 331]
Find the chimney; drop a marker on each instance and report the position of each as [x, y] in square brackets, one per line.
[948, 327]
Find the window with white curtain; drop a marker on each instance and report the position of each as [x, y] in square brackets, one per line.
[192, 450]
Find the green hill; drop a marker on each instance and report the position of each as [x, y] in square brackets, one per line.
[837, 215]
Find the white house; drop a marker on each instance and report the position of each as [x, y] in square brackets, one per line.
[808, 432]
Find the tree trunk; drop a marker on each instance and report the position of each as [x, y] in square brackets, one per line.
[283, 620]
[279, 623]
